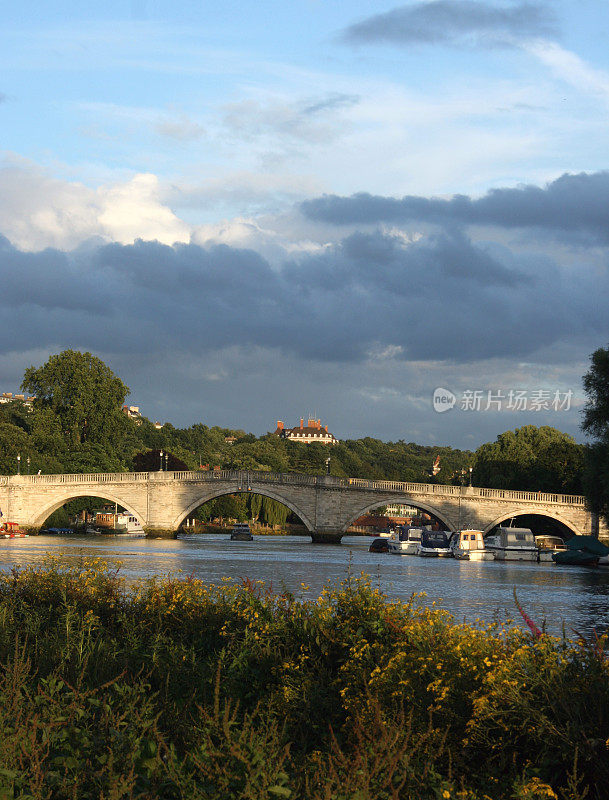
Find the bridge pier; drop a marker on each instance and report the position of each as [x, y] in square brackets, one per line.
[161, 533]
[327, 537]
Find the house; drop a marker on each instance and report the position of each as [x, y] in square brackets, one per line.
[306, 434]
[9, 397]
[133, 412]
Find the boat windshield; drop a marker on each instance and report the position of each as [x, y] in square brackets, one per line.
[410, 535]
[521, 538]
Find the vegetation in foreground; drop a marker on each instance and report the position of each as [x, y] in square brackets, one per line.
[175, 689]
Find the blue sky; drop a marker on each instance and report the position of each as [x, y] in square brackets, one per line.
[212, 196]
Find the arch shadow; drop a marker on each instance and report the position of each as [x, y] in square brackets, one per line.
[43, 515]
[521, 512]
[405, 501]
[222, 493]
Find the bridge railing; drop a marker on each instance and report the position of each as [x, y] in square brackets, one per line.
[246, 478]
[87, 477]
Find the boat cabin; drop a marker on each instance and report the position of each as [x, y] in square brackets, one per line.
[469, 540]
[550, 543]
[434, 539]
[408, 533]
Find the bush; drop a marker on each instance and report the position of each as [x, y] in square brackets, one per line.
[175, 689]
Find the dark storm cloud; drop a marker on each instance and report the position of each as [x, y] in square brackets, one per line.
[440, 298]
[570, 204]
[455, 22]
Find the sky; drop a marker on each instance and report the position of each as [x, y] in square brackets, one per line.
[263, 211]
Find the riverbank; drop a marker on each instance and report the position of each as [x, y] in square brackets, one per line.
[176, 689]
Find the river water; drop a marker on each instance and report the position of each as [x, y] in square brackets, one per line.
[576, 597]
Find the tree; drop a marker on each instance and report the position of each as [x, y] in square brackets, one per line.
[255, 506]
[596, 424]
[84, 394]
[13, 441]
[531, 458]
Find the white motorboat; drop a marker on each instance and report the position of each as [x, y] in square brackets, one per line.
[405, 541]
[119, 523]
[434, 544]
[469, 545]
[547, 545]
[512, 544]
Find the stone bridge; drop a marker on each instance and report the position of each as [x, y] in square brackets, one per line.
[325, 504]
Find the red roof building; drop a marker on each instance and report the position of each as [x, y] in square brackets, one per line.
[306, 434]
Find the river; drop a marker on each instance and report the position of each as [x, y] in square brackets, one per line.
[576, 597]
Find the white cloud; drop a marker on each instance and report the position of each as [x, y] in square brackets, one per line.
[570, 68]
[38, 211]
[134, 211]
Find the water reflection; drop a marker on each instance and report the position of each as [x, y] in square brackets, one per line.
[577, 597]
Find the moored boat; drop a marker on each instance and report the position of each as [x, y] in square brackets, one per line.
[405, 541]
[469, 545]
[118, 523]
[379, 545]
[56, 531]
[581, 551]
[434, 544]
[575, 558]
[11, 530]
[241, 532]
[547, 546]
[512, 544]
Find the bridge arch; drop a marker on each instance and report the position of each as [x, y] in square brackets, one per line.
[212, 495]
[523, 512]
[65, 497]
[406, 501]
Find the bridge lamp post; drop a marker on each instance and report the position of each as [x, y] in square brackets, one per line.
[471, 469]
[328, 465]
[28, 465]
[18, 463]
[161, 456]
[166, 459]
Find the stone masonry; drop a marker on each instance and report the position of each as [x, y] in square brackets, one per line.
[326, 505]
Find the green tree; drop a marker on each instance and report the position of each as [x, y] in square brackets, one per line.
[13, 442]
[596, 425]
[83, 393]
[255, 506]
[531, 458]
[273, 512]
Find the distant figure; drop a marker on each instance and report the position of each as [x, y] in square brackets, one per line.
[39, 471]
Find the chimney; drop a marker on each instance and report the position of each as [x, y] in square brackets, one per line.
[319, 424]
[326, 428]
[279, 425]
[301, 422]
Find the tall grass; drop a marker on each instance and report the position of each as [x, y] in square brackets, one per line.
[175, 689]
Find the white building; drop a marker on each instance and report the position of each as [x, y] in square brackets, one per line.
[306, 434]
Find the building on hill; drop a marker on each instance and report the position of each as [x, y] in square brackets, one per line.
[306, 434]
[9, 397]
[133, 412]
[399, 510]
